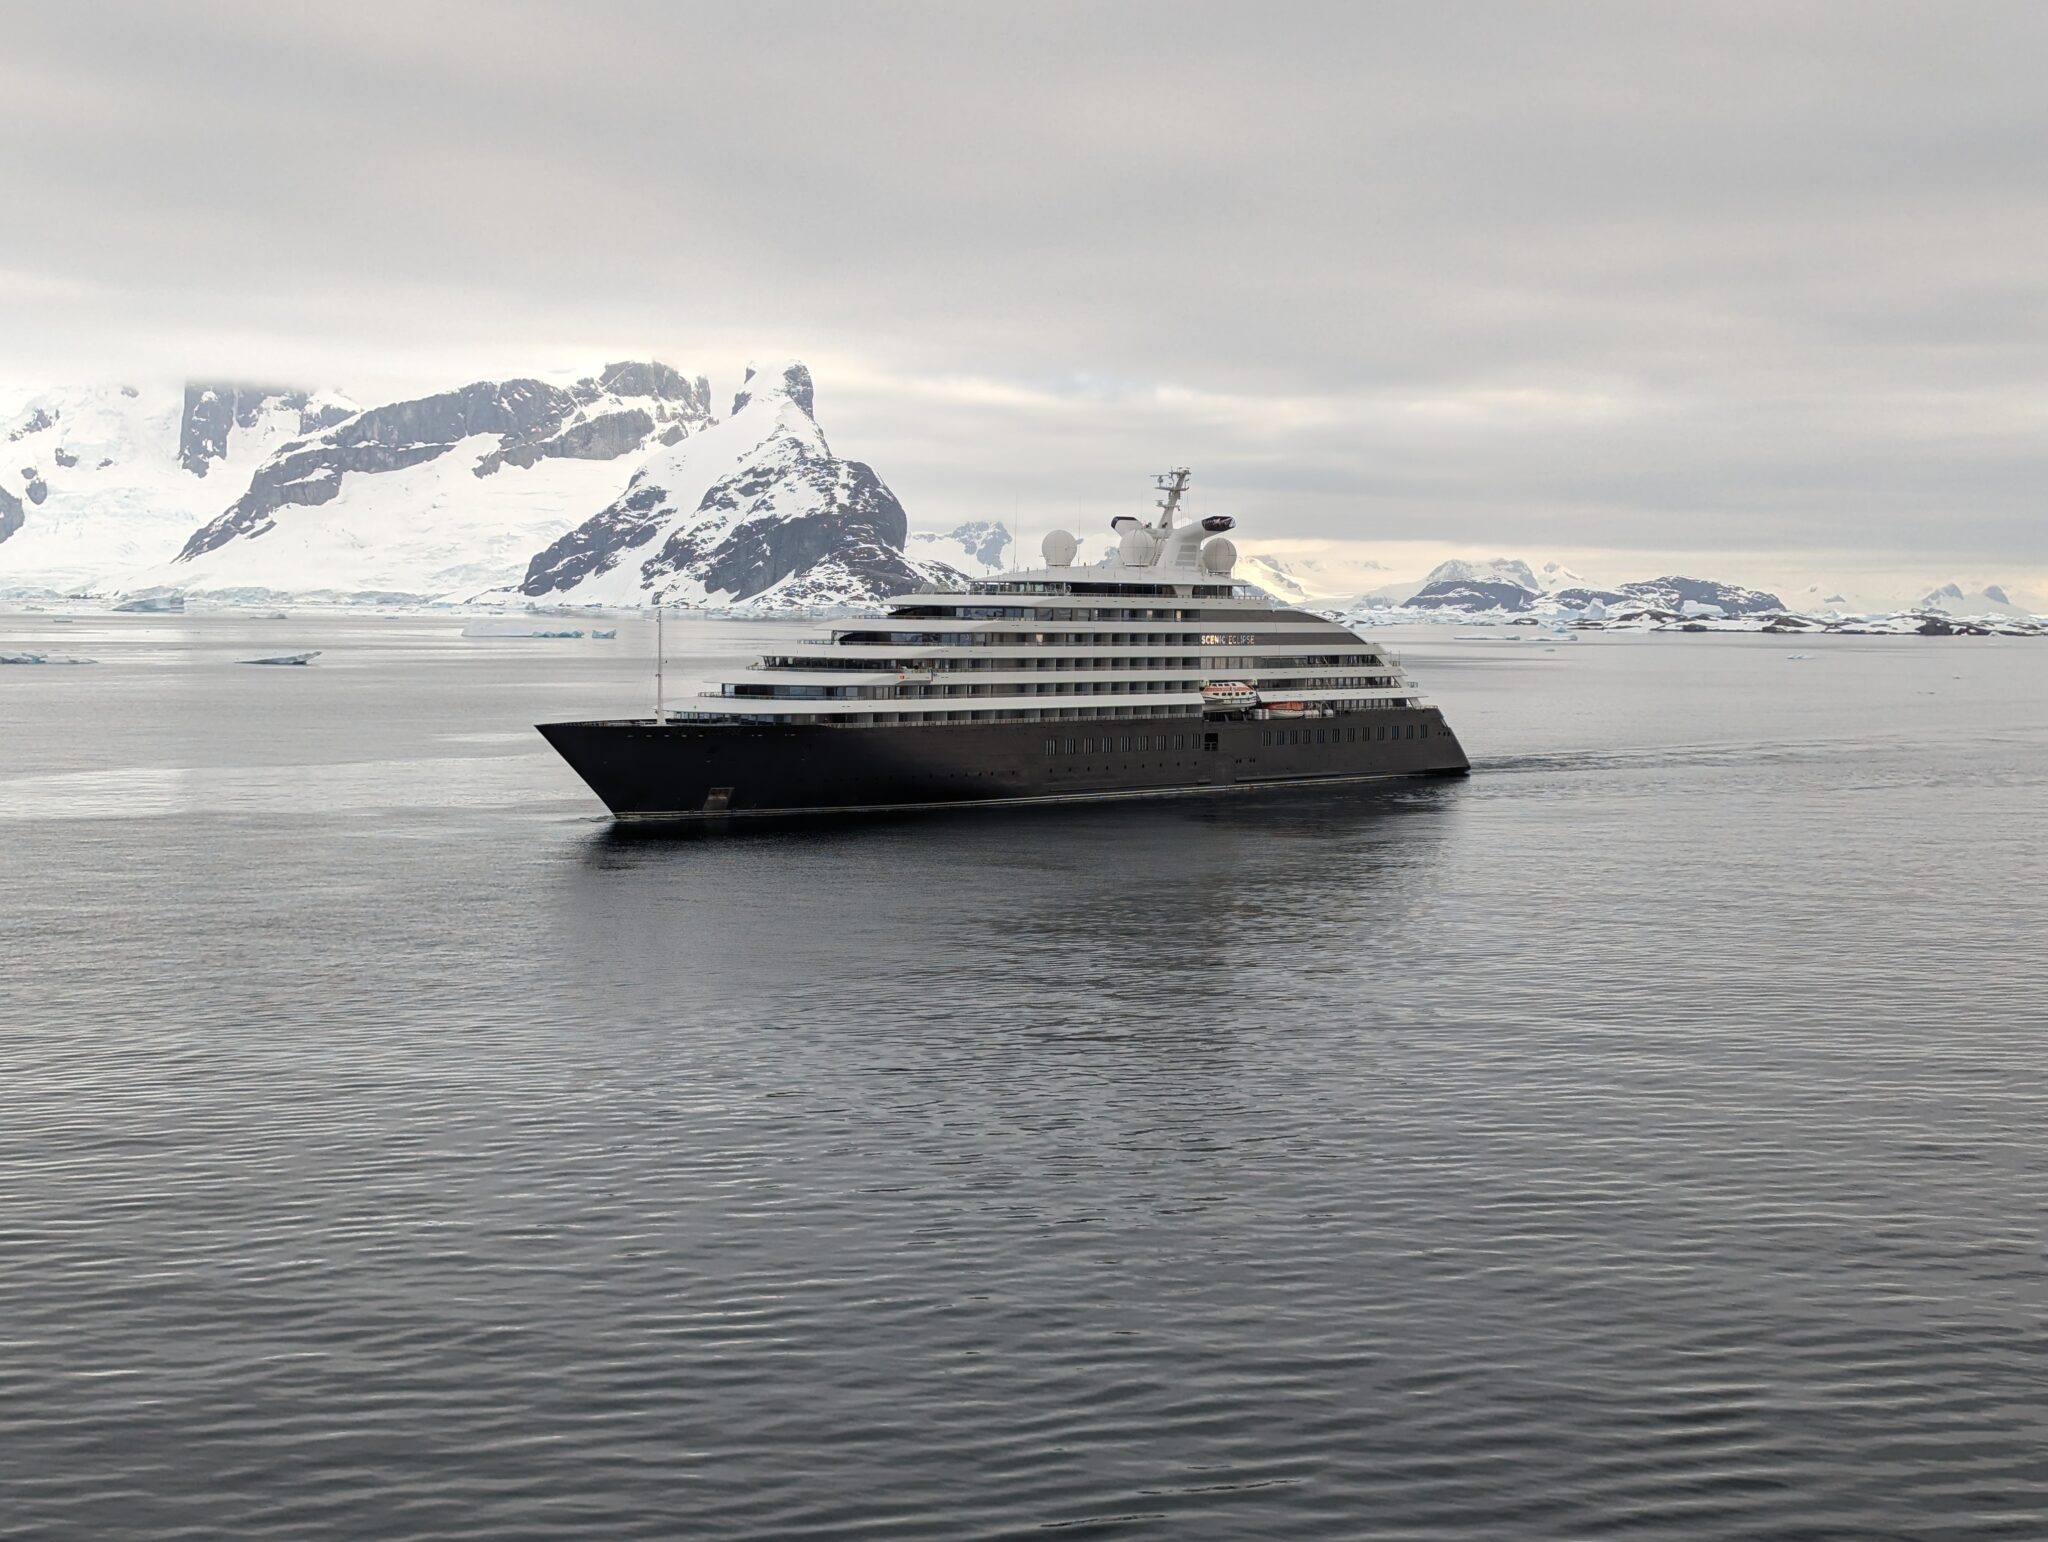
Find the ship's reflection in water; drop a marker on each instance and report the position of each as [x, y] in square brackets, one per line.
[1126, 914]
[1640, 1137]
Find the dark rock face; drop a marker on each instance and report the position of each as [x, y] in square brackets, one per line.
[66, 459]
[655, 379]
[37, 422]
[214, 409]
[1582, 599]
[308, 477]
[12, 515]
[600, 438]
[203, 426]
[858, 521]
[517, 411]
[33, 485]
[1472, 594]
[531, 419]
[596, 545]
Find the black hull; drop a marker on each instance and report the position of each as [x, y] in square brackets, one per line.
[645, 770]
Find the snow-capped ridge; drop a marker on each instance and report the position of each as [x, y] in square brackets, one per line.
[1951, 599]
[441, 496]
[107, 480]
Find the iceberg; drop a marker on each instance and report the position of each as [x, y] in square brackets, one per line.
[43, 658]
[518, 629]
[154, 602]
[287, 658]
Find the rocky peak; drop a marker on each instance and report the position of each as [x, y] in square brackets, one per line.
[213, 410]
[789, 378]
[756, 510]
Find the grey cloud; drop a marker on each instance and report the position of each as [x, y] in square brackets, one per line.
[1746, 275]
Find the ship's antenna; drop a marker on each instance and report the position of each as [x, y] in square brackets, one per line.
[660, 712]
[1175, 485]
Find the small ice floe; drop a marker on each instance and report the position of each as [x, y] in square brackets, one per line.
[43, 658]
[287, 658]
[604, 633]
[1797, 658]
[518, 629]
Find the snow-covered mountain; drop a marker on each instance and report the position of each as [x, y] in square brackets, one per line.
[623, 488]
[439, 497]
[1951, 599]
[980, 543]
[100, 482]
[1273, 575]
[755, 512]
[1677, 594]
[1496, 570]
[1505, 584]
[1296, 571]
[1462, 584]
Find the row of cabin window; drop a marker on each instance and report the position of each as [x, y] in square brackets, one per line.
[1278, 736]
[1125, 744]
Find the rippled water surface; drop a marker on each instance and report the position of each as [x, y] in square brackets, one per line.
[1645, 1137]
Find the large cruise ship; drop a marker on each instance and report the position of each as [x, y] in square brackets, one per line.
[1150, 673]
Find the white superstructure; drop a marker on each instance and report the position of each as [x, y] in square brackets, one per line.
[1136, 635]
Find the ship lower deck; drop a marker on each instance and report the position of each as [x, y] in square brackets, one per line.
[643, 769]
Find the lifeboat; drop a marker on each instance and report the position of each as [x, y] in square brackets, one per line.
[1229, 695]
[1286, 709]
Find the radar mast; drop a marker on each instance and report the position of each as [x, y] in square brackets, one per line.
[1175, 485]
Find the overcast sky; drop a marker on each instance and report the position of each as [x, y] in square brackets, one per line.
[1767, 280]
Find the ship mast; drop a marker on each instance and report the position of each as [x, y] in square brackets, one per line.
[1175, 485]
[660, 714]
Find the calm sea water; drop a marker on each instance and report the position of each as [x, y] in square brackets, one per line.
[1646, 1137]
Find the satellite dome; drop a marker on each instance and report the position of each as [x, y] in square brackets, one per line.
[1059, 547]
[1219, 556]
[1138, 547]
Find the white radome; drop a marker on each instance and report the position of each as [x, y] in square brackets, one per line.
[1137, 547]
[1059, 547]
[1219, 556]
